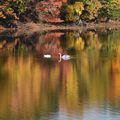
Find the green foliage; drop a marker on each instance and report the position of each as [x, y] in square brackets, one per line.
[105, 10]
[115, 14]
[109, 9]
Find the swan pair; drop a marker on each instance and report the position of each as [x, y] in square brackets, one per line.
[64, 57]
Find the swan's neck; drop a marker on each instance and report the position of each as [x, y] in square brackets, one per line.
[60, 55]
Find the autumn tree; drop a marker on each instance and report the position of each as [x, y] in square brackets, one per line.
[110, 9]
[49, 10]
[13, 10]
[72, 12]
[92, 8]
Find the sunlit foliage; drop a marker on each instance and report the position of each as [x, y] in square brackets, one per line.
[91, 9]
[73, 12]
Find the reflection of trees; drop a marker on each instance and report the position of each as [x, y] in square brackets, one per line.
[34, 88]
[115, 74]
[74, 41]
[54, 42]
[29, 93]
[50, 44]
[37, 88]
[19, 43]
[113, 92]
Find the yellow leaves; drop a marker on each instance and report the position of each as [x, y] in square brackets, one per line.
[73, 11]
[93, 8]
[70, 9]
[78, 7]
[70, 17]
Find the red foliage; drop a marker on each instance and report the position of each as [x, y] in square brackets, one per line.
[50, 10]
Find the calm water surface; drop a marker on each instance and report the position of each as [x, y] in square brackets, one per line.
[86, 87]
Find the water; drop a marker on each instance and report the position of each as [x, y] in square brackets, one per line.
[86, 87]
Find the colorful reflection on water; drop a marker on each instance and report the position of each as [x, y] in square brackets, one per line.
[87, 87]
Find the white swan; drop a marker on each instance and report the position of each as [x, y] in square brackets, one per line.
[47, 56]
[64, 57]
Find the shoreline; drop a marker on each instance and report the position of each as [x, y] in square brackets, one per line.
[29, 28]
